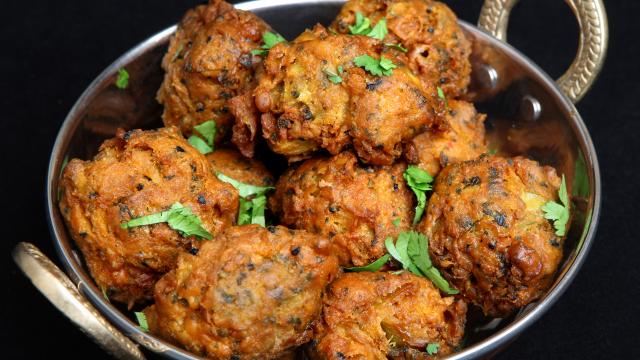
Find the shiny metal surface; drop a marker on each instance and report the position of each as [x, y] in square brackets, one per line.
[64, 295]
[502, 79]
[592, 48]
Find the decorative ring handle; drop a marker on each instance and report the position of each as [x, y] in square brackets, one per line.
[592, 49]
[64, 295]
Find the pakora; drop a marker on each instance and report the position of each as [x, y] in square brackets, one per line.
[488, 234]
[139, 173]
[251, 293]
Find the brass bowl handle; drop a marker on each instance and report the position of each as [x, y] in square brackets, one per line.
[592, 49]
[64, 295]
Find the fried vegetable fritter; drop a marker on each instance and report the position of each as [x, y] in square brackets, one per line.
[303, 110]
[385, 316]
[437, 47]
[355, 207]
[463, 140]
[488, 235]
[208, 63]
[140, 173]
[233, 164]
[251, 293]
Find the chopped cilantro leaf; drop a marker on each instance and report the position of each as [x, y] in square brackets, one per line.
[178, 217]
[199, 144]
[412, 251]
[420, 182]
[208, 131]
[362, 25]
[177, 54]
[432, 348]
[258, 205]
[332, 76]
[376, 67]
[123, 79]
[559, 214]
[250, 211]
[142, 321]
[379, 31]
[443, 98]
[270, 40]
[397, 47]
[374, 266]
[396, 222]
[245, 190]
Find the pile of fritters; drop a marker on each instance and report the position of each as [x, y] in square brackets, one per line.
[348, 134]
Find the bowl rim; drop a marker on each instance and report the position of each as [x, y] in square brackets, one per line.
[487, 346]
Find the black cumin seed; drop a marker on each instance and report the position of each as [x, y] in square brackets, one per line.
[202, 200]
[179, 149]
[139, 187]
[193, 251]
[295, 251]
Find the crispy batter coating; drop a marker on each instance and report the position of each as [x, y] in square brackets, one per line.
[304, 111]
[464, 140]
[139, 173]
[487, 232]
[238, 167]
[354, 206]
[209, 62]
[385, 316]
[251, 293]
[437, 48]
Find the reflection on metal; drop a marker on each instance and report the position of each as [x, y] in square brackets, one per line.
[592, 48]
[530, 108]
[63, 294]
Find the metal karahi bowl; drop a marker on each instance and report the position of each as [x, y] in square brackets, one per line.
[528, 114]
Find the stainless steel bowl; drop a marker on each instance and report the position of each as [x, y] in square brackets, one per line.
[528, 114]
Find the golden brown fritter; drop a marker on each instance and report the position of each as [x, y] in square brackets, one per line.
[385, 316]
[487, 232]
[353, 206]
[464, 140]
[251, 293]
[140, 173]
[437, 48]
[304, 111]
[233, 164]
[209, 62]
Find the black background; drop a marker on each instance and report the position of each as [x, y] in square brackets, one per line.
[51, 50]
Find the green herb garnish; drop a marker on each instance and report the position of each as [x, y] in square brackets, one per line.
[420, 182]
[412, 251]
[142, 321]
[123, 79]
[332, 76]
[270, 40]
[442, 97]
[199, 144]
[252, 211]
[433, 348]
[363, 27]
[208, 132]
[379, 31]
[178, 53]
[178, 217]
[245, 190]
[376, 67]
[253, 201]
[559, 214]
[374, 266]
[396, 222]
[397, 47]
